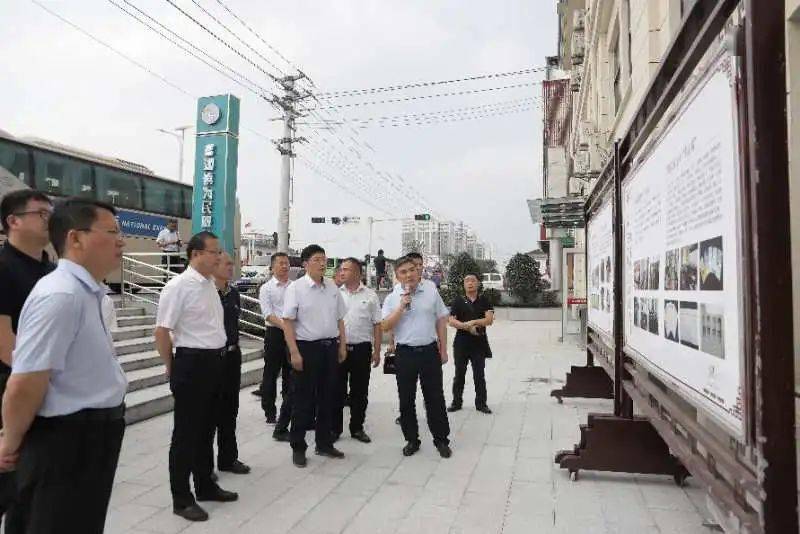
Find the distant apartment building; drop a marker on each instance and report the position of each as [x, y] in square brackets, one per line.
[442, 238]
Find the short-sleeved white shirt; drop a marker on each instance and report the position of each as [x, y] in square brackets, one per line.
[316, 309]
[168, 240]
[271, 296]
[417, 326]
[190, 306]
[363, 313]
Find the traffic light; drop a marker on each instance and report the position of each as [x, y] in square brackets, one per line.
[317, 219]
[336, 220]
[422, 217]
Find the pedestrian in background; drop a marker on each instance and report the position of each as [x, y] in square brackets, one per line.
[25, 215]
[169, 241]
[313, 313]
[362, 325]
[418, 316]
[380, 269]
[190, 318]
[228, 403]
[63, 410]
[276, 355]
[470, 315]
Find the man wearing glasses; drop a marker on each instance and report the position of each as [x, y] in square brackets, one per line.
[63, 410]
[190, 318]
[23, 262]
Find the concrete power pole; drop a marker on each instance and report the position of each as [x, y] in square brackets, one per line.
[284, 145]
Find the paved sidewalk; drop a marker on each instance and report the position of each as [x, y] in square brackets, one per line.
[501, 477]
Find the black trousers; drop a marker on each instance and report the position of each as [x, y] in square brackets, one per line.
[421, 363]
[356, 368]
[228, 408]
[14, 518]
[462, 357]
[314, 392]
[276, 362]
[66, 471]
[195, 383]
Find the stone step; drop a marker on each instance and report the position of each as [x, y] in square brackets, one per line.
[139, 360]
[157, 400]
[153, 375]
[130, 311]
[138, 320]
[131, 332]
[138, 344]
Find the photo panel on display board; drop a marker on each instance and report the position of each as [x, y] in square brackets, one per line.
[671, 329]
[652, 316]
[689, 267]
[672, 270]
[712, 339]
[711, 264]
[688, 324]
[654, 275]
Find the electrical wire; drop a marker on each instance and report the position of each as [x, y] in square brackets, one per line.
[399, 87]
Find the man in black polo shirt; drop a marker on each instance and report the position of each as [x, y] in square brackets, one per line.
[23, 261]
[470, 315]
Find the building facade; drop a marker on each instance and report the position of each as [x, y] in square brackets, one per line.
[442, 238]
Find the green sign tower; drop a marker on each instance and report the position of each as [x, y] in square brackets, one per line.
[215, 163]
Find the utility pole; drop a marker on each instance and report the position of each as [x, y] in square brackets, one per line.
[181, 137]
[284, 145]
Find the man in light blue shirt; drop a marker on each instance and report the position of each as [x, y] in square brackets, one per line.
[63, 408]
[418, 317]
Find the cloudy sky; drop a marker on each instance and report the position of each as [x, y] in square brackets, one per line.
[61, 85]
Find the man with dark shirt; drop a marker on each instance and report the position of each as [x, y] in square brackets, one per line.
[470, 315]
[380, 269]
[228, 404]
[23, 261]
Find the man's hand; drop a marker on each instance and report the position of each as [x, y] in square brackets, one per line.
[8, 457]
[168, 369]
[443, 355]
[296, 360]
[473, 329]
[376, 357]
[405, 301]
[342, 353]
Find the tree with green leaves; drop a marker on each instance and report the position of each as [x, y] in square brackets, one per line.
[487, 266]
[523, 278]
[461, 265]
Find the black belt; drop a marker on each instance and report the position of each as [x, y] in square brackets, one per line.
[194, 353]
[89, 415]
[353, 345]
[324, 342]
[274, 328]
[417, 348]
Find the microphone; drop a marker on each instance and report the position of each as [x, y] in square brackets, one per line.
[408, 304]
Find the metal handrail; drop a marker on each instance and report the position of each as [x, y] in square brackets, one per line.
[154, 276]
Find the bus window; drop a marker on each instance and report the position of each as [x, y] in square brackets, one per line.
[162, 197]
[57, 175]
[187, 202]
[14, 160]
[119, 188]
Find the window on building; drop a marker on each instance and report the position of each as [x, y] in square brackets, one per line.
[119, 188]
[62, 176]
[162, 197]
[15, 160]
[187, 202]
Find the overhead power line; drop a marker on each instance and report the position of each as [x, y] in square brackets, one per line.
[437, 95]
[399, 87]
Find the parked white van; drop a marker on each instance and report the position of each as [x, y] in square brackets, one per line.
[492, 281]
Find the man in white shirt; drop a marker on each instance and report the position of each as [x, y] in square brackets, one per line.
[276, 355]
[169, 241]
[191, 319]
[362, 326]
[418, 317]
[313, 313]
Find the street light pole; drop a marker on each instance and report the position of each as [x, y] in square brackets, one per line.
[181, 137]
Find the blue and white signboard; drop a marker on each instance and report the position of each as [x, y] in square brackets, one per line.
[140, 224]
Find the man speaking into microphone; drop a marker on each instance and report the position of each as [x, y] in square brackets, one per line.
[418, 317]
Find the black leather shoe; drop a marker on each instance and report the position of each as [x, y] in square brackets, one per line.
[280, 435]
[218, 495]
[193, 512]
[361, 436]
[237, 468]
[454, 407]
[444, 450]
[397, 421]
[271, 419]
[483, 409]
[330, 452]
[299, 458]
[411, 448]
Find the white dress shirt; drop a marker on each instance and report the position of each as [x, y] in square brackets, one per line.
[168, 240]
[316, 309]
[190, 306]
[417, 326]
[271, 296]
[363, 313]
